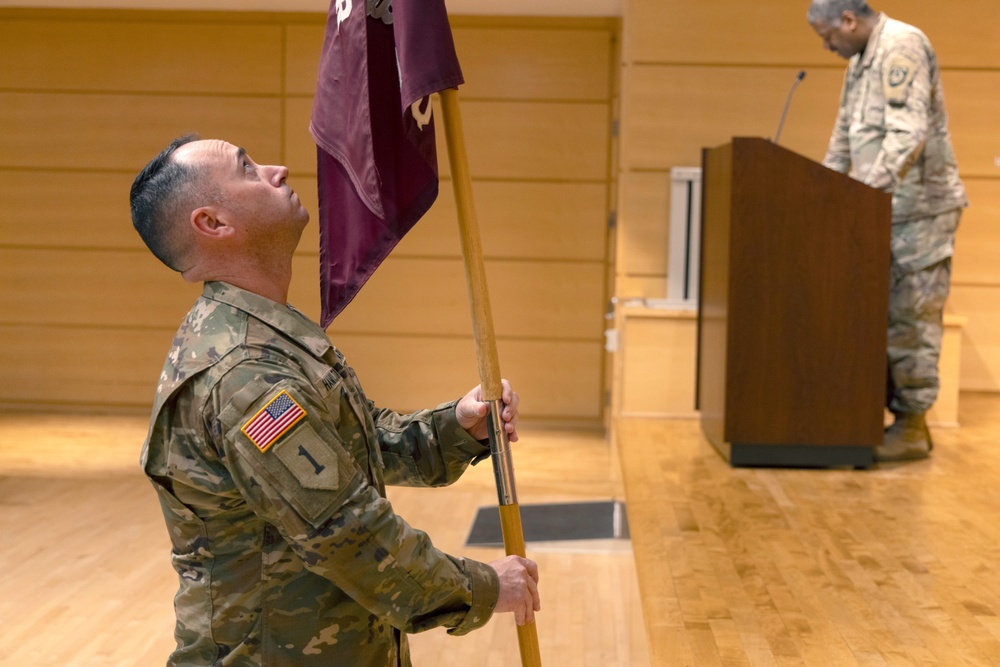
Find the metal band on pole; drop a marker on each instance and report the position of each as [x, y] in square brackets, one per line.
[503, 463]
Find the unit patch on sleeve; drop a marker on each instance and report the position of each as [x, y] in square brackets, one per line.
[273, 420]
[900, 74]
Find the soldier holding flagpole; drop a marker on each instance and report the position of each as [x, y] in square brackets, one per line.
[270, 463]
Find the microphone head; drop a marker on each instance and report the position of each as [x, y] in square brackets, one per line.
[802, 75]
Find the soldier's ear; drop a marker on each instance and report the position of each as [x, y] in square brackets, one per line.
[210, 222]
[848, 21]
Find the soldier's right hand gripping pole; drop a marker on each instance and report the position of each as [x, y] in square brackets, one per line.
[486, 353]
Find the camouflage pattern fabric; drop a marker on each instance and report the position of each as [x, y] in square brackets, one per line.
[892, 134]
[270, 465]
[916, 303]
[892, 128]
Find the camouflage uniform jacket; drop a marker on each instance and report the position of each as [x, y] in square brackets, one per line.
[892, 134]
[270, 466]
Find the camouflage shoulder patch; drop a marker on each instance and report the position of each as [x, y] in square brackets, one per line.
[897, 78]
[273, 420]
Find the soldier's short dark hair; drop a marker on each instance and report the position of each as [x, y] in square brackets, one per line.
[155, 196]
[828, 12]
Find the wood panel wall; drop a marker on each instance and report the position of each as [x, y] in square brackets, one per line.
[695, 74]
[88, 97]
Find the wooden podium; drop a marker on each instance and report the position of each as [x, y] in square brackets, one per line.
[793, 309]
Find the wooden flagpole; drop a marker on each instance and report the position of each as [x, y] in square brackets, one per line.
[486, 353]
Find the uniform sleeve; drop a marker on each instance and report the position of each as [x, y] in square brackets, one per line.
[426, 448]
[838, 151]
[279, 442]
[907, 88]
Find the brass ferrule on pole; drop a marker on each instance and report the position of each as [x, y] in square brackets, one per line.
[503, 462]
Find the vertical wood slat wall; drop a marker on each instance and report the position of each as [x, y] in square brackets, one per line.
[695, 74]
[87, 97]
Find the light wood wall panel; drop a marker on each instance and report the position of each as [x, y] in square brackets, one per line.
[428, 296]
[66, 209]
[964, 35]
[675, 111]
[84, 287]
[509, 59]
[697, 74]
[120, 365]
[89, 131]
[977, 244]
[776, 31]
[530, 220]
[980, 370]
[645, 205]
[505, 140]
[539, 140]
[523, 219]
[88, 97]
[302, 52]
[69, 367]
[973, 110]
[561, 387]
[125, 51]
[560, 62]
[717, 31]
[657, 364]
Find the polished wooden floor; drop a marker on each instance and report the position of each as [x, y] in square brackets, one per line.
[85, 576]
[890, 566]
[897, 565]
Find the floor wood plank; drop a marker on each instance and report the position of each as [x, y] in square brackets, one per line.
[768, 566]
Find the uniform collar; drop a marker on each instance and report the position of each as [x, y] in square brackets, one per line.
[864, 60]
[282, 317]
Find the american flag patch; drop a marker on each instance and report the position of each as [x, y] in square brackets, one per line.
[273, 421]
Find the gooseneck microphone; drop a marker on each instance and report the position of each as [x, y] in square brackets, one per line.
[798, 77]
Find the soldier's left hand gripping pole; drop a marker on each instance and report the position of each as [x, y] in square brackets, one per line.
[486, 353]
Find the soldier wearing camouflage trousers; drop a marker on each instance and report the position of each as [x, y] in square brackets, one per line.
[892, 133]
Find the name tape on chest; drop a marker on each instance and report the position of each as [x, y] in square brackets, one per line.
[273, 420]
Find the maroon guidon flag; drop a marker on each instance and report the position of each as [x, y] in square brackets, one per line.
[371, 120]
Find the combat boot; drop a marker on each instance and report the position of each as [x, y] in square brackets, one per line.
[907, 439]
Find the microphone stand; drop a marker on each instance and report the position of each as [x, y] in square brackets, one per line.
[801, 75]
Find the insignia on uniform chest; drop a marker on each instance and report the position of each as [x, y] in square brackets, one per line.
[273, 420]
